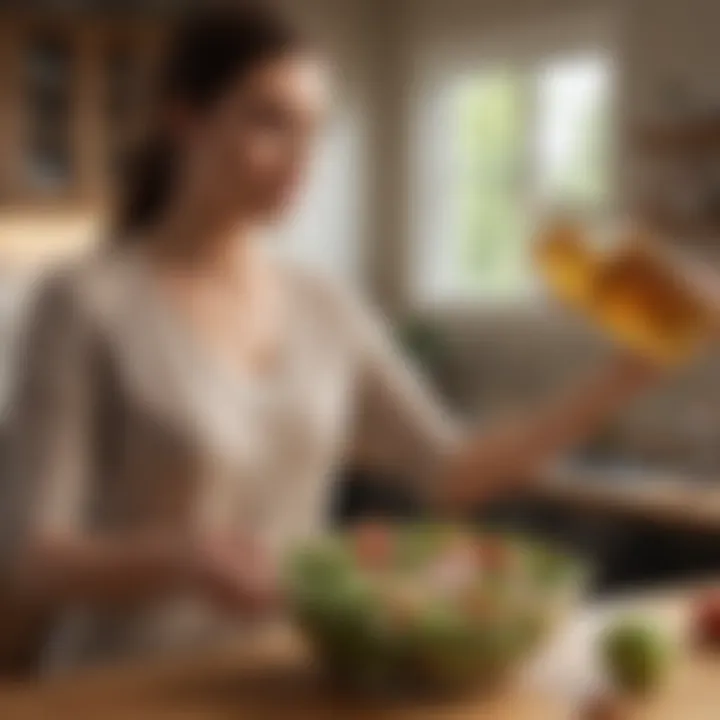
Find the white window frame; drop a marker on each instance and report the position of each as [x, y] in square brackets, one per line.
[430, 211]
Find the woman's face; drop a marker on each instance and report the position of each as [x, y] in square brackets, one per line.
[250, 151]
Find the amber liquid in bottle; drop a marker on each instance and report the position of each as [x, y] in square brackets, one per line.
[632, 291]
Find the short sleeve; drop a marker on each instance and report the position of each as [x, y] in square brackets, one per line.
[49, 425]
[399, 424]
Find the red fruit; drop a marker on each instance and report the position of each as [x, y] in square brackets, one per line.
[706, 619]
[373, 545]
[495, 554]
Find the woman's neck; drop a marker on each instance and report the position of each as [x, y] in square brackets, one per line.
[197, 242]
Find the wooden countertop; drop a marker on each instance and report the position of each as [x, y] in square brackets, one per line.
[672, 500]
[268, 680]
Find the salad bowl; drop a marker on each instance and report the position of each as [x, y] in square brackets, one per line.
[428, 606]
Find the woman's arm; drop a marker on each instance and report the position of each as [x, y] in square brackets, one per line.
[231, 573]
[59, 569]
[405, 431]
[510, 453]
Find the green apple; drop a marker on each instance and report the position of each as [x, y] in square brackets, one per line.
[636, 655]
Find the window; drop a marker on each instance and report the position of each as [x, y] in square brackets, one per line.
[510, 139]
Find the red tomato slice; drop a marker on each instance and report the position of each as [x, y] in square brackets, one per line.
[374, 544]
[495, 554]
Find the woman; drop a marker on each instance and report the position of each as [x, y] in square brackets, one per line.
[185, 396]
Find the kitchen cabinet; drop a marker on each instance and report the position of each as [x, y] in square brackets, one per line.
[73, 95]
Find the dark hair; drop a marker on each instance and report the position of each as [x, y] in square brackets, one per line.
[209, 49]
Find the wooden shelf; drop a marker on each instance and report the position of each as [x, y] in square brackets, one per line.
[694, 136]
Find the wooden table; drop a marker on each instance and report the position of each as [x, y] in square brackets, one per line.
[270, 681]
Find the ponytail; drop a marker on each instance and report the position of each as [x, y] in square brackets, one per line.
[210, 49]
[148, 186]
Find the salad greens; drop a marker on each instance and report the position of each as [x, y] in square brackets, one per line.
[427, 604]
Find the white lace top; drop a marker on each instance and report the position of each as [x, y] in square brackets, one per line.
[123, 421]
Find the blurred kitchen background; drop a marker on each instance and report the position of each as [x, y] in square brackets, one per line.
[455, 120]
